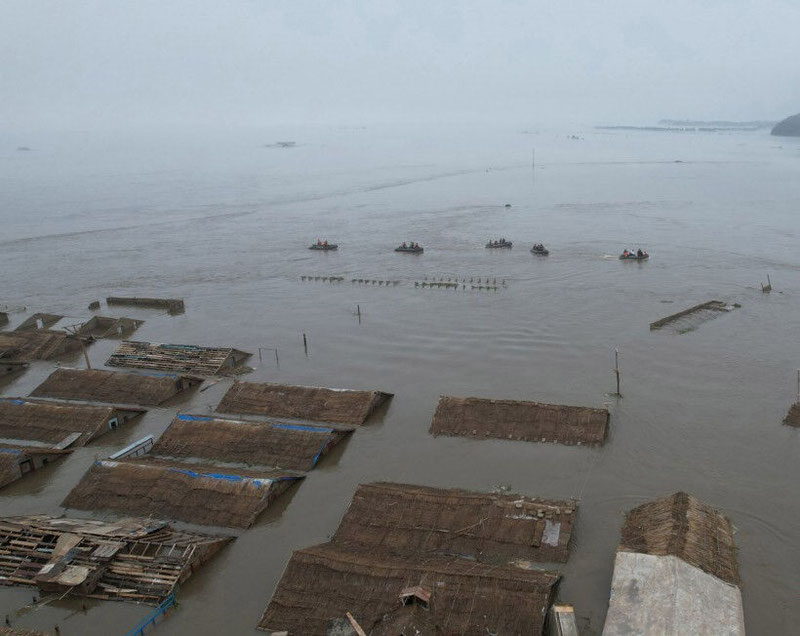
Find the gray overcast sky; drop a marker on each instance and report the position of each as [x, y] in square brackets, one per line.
[67, 63]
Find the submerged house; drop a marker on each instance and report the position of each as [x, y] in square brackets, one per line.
[37, 344]
[59, 424]
[116, 387]
[107, 327]
[137, 560]
[520, 420]
[189, 359]
[16, 461]
[39, 321]
[318, 404]
[417, 560]
[676, 572]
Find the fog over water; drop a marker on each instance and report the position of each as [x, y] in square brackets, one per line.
[153, 170]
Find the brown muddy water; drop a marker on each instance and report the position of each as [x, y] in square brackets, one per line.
[223, 222]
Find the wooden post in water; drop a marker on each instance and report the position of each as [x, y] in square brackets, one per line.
[358, 312]
[616, 370]
[305, 344]
[798, 386]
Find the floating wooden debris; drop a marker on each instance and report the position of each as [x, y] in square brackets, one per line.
[106, 327]
[261, 443]
[16, 461]
[42, 344]
[675, 572]
[189, 359]
[319, 404]
[94, 305]
[465, 597]
[139, 560]
[174, 489]
[519, 420]
[388, 586]
[116, 387]
[322, 279]
[39, 321]
[50, 422]
[172, 305]
[405, 520]
[690, 319]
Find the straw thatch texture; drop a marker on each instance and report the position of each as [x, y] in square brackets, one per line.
[291, 446]
[793, 416]
[107, 327]
[681, 525]
[407, 520]
[322, 583]
[41, 344]
[171, 489]
[190, 359]
[139, 560]
[302, 402]
[39, 321]
[518, 420]
[99, 385]
[13, 457]
[20, 631]
[51, 422]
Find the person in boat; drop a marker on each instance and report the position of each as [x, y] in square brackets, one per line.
[639, 253]
[325, 243]
[319, 241]
[403, 245]
[626, 253]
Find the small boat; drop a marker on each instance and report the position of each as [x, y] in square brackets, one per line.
[540, 249]
[325, 247]
[493, 245]
[409, 249]
[633, 256]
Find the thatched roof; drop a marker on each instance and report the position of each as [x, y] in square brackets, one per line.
[8, 367]
[138, 560]
[108, 327]
[172, 305]
[39, 321]
[683, 526]
[41, 344]
[302, 402]
[519, 420]
[51, 422]
[20, 631]
[270, 443]
[190, 359]
[171, 489]
[793, 416]
[99, 385]
[323, 583]
[12, 455]
[406, 520]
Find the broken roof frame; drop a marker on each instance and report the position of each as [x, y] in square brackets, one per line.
[190, 359]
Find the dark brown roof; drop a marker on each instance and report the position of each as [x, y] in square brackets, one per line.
[323, 583]
[99, 385]
[179, 358]
[302, 402]
[519, 420]
[793, 416]
[172, 489]
[51, 422]
[40, 344]
[683, 526]
[109, 327]
[263, 443]
[45, 320]
[406, 520]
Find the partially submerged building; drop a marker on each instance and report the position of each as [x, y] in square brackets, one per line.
[116, 387]
[793, 416]
[321, 585]
[3, 318]
[138, 560]
[173, 489]
[108, 327]
[256, 443]
[172, 305]
[190, 359]
[37, 344]
[520, 420]
[675, 572]
[318, 404]
[405, 520]
[7, 367]
[59, 424]
[16, 461]
[39, 321]
[417, 560]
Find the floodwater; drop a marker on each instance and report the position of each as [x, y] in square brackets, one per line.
[224, 222]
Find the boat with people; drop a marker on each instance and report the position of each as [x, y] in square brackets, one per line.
[323, 246]
[501, 243]
[638, 255]
[409, 248]
[539, 249]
